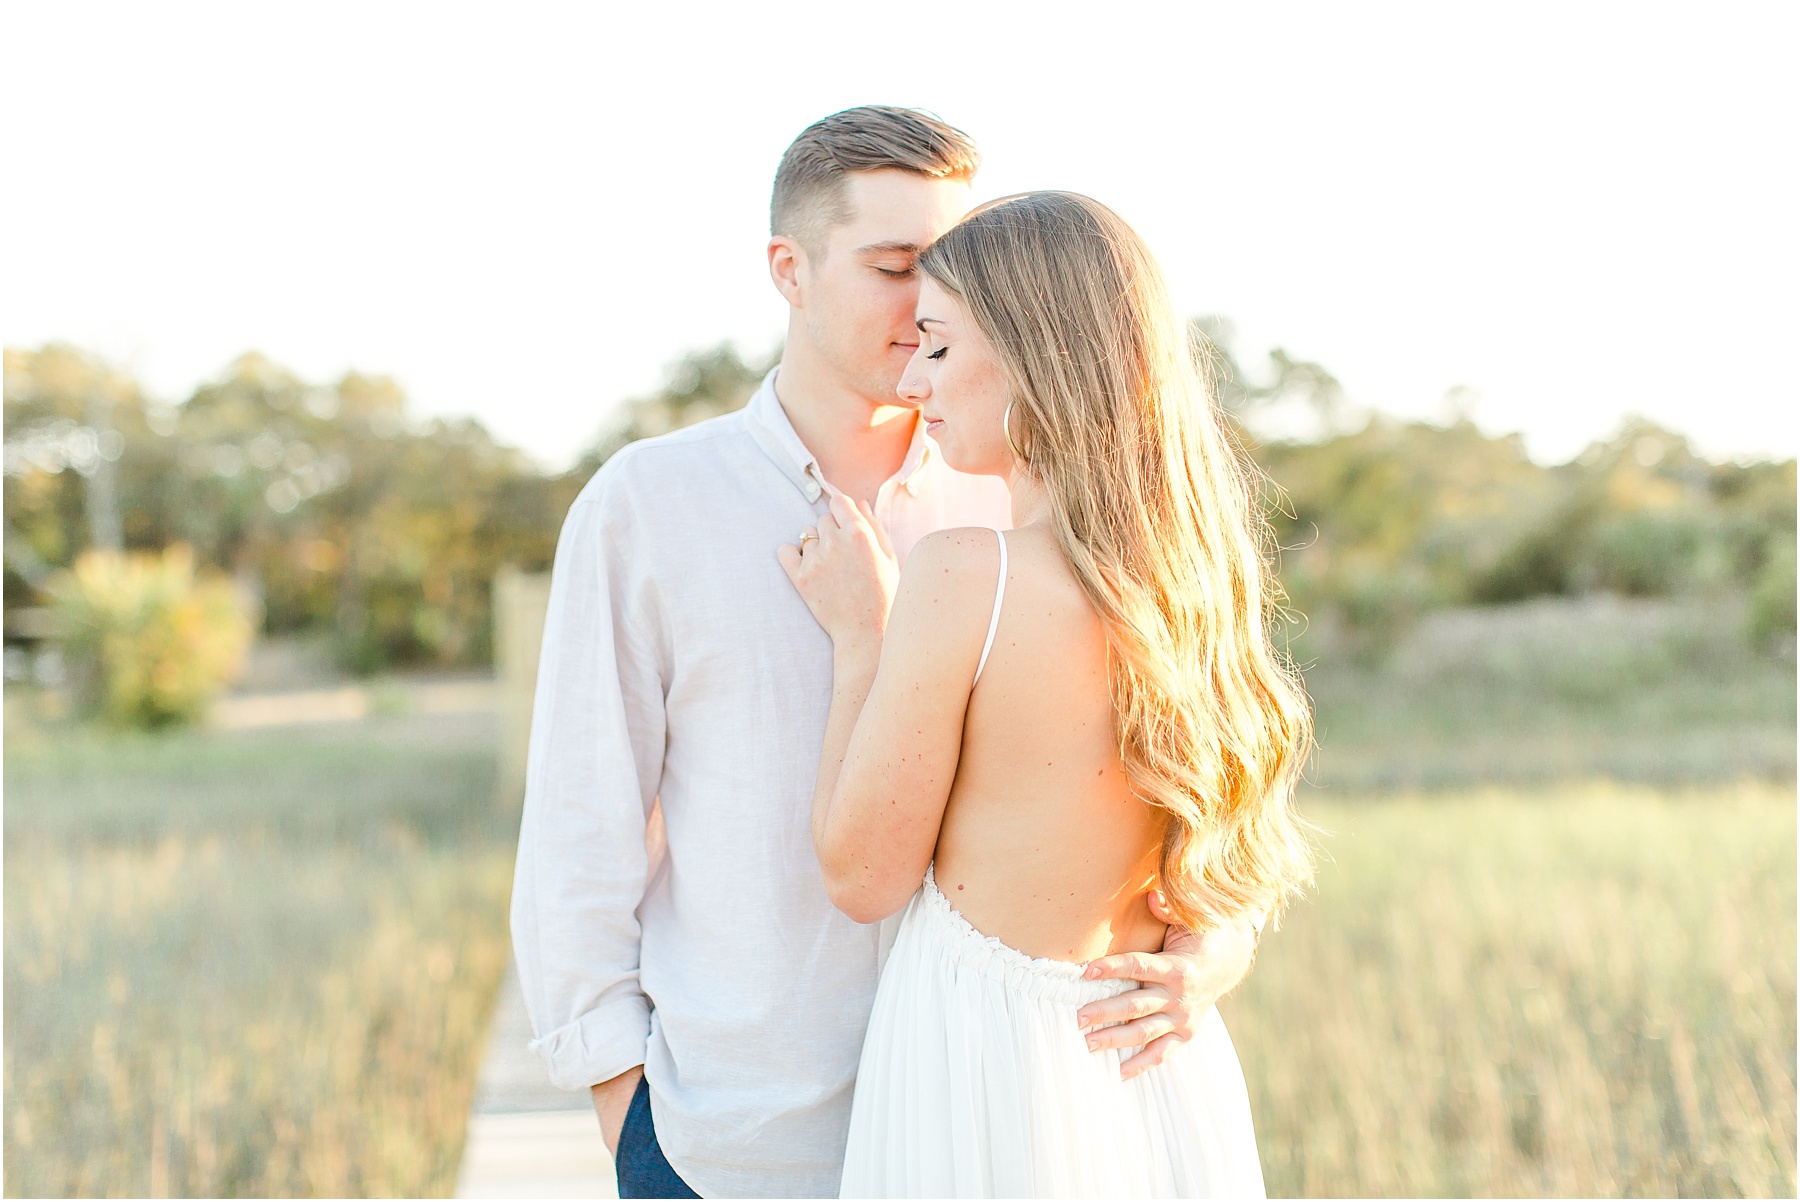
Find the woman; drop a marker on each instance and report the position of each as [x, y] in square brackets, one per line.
[1055, 740]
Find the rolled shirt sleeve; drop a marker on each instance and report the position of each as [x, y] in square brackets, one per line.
[597, 741]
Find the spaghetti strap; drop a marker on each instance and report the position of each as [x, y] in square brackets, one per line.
[993, 622]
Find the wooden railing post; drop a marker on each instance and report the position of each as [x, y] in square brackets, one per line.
[520, 602]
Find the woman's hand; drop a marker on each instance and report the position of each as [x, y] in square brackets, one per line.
[845, 571]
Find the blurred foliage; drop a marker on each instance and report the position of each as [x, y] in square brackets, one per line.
[1385, 522]
[354, 520]
[701, 385]
[150, 642]
[345, 515]
[1772, 600]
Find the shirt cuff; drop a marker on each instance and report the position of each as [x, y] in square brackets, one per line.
[599, 1045]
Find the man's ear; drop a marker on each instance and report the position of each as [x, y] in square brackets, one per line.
[787, 263]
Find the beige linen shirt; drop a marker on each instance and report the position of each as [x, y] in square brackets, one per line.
[679, 664]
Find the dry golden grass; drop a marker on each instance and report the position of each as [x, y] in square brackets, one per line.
[285, 993]
[1574, 991]
[263, 966]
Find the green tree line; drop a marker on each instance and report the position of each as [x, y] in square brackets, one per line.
[349, 517]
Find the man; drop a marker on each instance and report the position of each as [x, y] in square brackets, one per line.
[676, 946]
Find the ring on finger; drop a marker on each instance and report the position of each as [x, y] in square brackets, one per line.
[808, 533]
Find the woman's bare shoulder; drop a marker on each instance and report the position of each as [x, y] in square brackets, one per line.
[959, 555]
[945, 597]
[947, 586]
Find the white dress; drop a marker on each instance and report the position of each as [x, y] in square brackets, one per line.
[975, 1082]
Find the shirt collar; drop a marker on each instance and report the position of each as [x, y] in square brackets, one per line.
[770, 426]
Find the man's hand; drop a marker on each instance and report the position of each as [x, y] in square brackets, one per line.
[1179, 986]
[611, 1100]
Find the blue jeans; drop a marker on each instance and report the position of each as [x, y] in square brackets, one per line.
[643, 1170]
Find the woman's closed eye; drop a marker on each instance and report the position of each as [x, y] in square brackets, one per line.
[937, 354]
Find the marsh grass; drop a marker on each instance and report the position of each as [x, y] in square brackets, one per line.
[1582, 991]
[249, 966]
[263, 964]
[1658, 691]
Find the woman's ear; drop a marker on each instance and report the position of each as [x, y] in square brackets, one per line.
[787, 264]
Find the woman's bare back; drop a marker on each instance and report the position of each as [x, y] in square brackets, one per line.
[1043, 844]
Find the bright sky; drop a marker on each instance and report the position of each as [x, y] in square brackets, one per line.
[525, 212]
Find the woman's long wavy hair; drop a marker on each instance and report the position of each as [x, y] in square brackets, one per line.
[1157, 512]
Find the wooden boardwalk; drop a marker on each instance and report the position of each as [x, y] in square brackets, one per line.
[528, 1139]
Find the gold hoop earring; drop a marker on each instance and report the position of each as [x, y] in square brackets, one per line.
[1006, 429]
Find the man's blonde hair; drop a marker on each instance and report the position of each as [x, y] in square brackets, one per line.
[1156, 509]
[809, 185]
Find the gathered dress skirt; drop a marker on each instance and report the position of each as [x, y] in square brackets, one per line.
[975, 1083]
